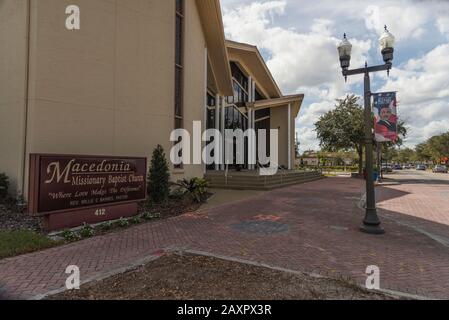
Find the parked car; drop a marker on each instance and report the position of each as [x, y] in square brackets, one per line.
[387, 168]
[397, 167]
[440, 169]
[421, 167]
[406, 167]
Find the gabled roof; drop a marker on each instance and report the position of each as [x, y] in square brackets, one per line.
[211, 19]
[251, 59]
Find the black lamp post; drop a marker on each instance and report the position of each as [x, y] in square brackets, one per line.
[371, 223]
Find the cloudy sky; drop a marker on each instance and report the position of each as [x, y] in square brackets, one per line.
[298, 40]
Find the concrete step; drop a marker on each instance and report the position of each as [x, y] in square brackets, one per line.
[260, 178]
[260, 181]
[269, 185]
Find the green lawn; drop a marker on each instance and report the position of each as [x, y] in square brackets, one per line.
[13, 243]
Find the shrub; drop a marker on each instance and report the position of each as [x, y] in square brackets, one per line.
[70, 236]
[136, 220]
[195, 188]
[123, 223]
[156, 215]
[150, 216]
[176, 192]
[106, 226]
[4, 185]
[158, 177]
[86, 231]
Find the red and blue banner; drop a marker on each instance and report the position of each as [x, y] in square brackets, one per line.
[386, 117]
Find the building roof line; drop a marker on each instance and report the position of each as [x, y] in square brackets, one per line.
[254, 50]
[212, 22]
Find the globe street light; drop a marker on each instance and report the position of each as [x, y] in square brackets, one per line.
[387, 42]
[371, 223]
[344, 51]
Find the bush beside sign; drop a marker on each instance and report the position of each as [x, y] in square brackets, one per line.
[85, 187]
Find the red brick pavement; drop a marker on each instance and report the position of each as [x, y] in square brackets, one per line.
[311, 227]
[424, 206]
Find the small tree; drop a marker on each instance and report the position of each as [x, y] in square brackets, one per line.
[158, 177]
[343, 128]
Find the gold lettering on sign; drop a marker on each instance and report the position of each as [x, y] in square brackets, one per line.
[57, 174]
[74, 168]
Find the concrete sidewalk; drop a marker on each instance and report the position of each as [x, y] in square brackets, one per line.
[311, 227]
[225, 196]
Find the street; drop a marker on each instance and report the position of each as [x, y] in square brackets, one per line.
[418, 200]
[418, 177]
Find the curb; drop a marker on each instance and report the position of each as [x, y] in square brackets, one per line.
[133, 266]
[181, 251]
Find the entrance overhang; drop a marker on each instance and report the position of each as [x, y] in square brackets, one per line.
[295, 101]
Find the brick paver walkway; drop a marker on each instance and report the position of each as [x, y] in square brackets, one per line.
[311, 227]
[420, 200]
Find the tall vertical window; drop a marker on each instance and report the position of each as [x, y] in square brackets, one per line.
[240, 84]
[179, 66]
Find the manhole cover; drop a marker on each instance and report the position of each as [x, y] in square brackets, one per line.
[261, 227]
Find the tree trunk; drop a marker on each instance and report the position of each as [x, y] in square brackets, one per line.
[360, 152]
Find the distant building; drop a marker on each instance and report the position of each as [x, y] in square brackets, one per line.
[310, 158]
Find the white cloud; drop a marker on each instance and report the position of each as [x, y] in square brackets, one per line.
[299, 39]
[422, 79]
[443, 24]
[404, 20]
[298, 61]
[311, 114]
[307, 139]
[423, 93]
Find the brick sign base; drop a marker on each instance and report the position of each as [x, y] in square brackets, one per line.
[66, 220]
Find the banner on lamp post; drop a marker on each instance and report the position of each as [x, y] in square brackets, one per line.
[385, 117]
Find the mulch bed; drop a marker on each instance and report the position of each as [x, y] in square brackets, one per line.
[174, 207]
[13, 218]
[191, 277]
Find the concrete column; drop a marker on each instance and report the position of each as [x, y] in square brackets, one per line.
[253, 91]
[252, 115]
[250, 89]
[289, 144]
[205, 101]
[253, 119]
[222, 130]
[250, 141]
[217, 121]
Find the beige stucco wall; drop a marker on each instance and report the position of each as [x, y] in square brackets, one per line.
[279, 120]
[107, 89]
[13, 57]
[195, 82]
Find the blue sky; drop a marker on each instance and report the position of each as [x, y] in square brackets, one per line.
[298, 40]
